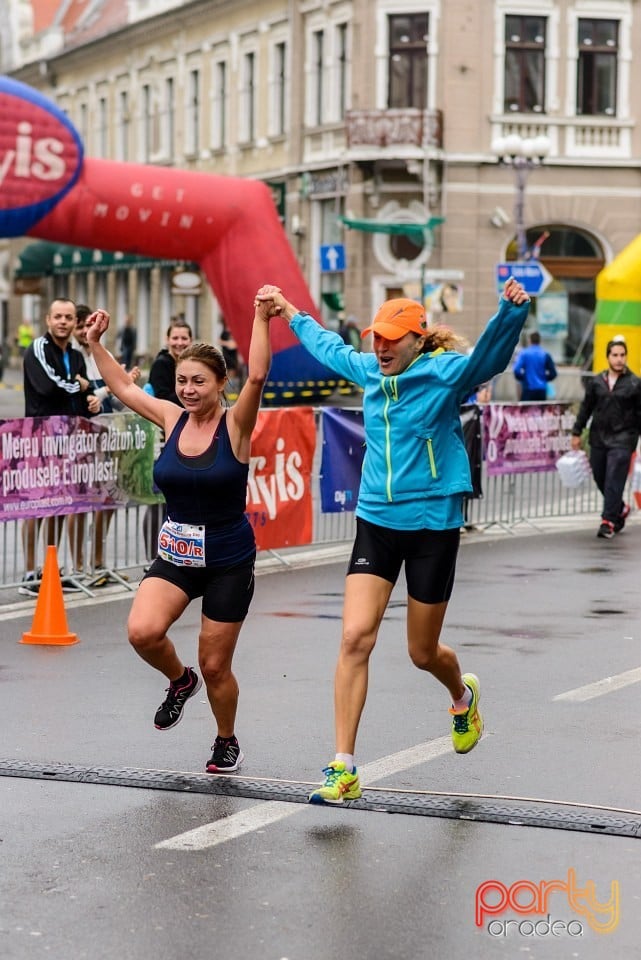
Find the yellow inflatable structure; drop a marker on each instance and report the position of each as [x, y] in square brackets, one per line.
[618, 308]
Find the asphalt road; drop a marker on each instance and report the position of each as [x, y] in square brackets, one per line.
[102, 871]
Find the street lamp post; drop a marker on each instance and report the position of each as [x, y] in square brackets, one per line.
[523, 154]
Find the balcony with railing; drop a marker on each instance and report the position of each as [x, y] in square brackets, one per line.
[377, 132]
[589, 139]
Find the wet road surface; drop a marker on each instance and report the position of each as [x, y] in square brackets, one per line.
[550, 623]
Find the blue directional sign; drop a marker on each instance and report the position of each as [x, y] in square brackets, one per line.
[332, 257]
[532, 274]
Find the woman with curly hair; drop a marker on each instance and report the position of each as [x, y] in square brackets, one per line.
[410, 504]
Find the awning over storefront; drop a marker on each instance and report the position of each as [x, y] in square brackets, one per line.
[43, 259]
[36, 260]
[412, 229]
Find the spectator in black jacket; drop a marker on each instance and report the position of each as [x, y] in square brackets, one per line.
[127, 339]
[55, 384]
[613, 402]
[162, 376]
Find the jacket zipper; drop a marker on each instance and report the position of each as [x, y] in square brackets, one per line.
[431, 457]
[393, 395]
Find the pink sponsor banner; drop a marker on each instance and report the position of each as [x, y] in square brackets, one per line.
[525, 437]
[59, 465]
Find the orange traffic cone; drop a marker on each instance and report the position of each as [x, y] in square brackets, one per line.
[50, 619]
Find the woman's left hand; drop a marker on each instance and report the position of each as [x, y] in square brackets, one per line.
[514, 292]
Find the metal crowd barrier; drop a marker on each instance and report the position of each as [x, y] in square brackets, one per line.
[507, 501]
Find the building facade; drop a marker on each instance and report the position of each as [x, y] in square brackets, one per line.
[411, 145]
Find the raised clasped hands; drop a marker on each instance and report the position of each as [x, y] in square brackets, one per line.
[270, 297]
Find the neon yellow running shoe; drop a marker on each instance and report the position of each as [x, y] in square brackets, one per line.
[467, 725]
[339, 785]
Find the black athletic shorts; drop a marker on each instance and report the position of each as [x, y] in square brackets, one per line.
[226, 591]
[429, 557]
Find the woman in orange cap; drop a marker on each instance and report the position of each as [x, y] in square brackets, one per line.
[410, 503]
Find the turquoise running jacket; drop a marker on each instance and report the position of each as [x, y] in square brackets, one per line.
[416, 469]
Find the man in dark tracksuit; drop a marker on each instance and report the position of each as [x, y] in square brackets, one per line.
[55, 375]
[55, 384]
[613, 401]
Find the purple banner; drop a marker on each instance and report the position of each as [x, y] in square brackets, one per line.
[526, 437]
[58, 465]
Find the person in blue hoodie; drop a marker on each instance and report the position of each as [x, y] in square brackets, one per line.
[534, 369]
[410, 506]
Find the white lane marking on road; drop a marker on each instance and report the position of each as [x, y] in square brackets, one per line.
[608, 685]
[262, 814]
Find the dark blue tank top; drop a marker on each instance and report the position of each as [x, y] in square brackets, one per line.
[209, 490]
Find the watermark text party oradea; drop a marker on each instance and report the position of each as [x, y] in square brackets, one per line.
[535, 901]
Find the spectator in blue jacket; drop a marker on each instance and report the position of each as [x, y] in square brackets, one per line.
[534, 369]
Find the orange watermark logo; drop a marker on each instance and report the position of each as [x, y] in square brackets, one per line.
[532, 900]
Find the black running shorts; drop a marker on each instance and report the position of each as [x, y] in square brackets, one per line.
[226, 591]
[429, 557]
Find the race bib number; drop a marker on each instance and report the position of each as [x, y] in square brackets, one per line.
[182, 544]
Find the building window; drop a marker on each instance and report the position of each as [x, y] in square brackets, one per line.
[408, 36]
[280, 88]
[169, 120]
[123, 126]
[146, 121]
[597, 67]
[342, 56]
[103, 128]
[219, 124]
[248, 99]
[193, 112]
[524, 64]
[332, 285]
[83, 123]
[318, 54]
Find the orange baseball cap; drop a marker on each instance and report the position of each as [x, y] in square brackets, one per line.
[398, 317]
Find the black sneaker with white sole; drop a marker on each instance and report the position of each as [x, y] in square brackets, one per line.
[30, 584]
[226, 757]
[170, 712]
